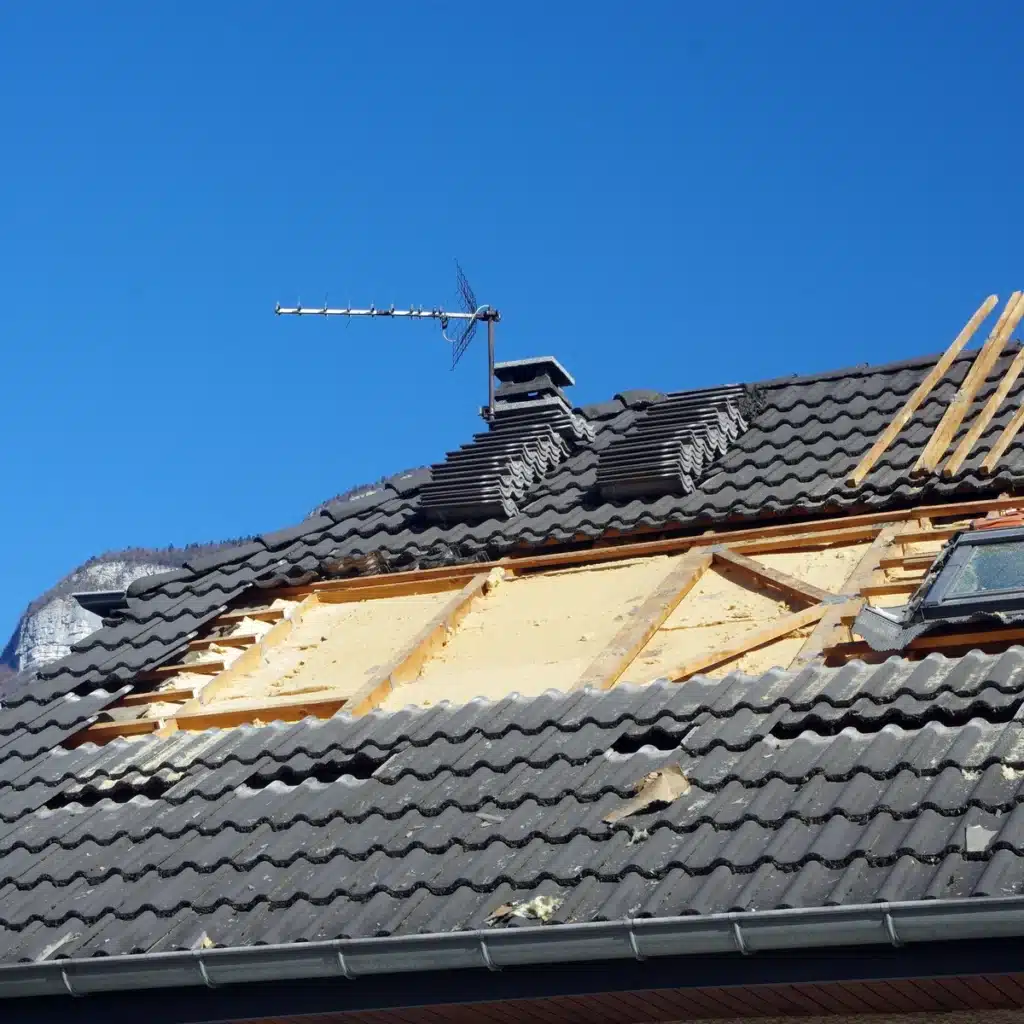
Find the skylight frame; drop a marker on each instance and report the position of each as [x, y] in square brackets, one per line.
[939, 604]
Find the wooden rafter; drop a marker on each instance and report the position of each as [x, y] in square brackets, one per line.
[976, 376]
[956, 460]
[251, 657]
[605, 670]
[409, 662]
[921, 392]
[748, 641]
[1003, 442]
[826, 632]
[782, 581]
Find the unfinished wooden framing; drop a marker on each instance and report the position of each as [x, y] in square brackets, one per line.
[191, 703]
[976, 377]
[921, 392]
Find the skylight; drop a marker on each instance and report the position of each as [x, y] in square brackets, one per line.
[984, 572]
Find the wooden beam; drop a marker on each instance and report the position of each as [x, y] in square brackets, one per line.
[204, 668]
[931, 642]
[238, 640]
[976, 376]
[782, 581]
[103, 732]
[251, 657]
[262, 614]
[813, 541]
[408, 663]
[983, 418]
[178, 693]
[921, 392]
[386, 590]
[906, 586]
[1003, 442]
[942, 533]
[908, 561]
[643, 622]
[290, 708]
[748, 641]
[827, 631]
[400, 582]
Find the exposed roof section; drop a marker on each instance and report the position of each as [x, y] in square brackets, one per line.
[832, 785]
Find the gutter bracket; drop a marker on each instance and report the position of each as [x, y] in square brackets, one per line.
[345, 969]
[488, 960]
[67, 984]
[203, 973]
[890, 930]
[741, 943]
[634, 945]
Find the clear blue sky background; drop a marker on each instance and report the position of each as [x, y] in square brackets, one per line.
[663, 195]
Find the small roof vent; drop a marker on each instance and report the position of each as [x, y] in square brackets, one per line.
[534, 429]
[675, 441]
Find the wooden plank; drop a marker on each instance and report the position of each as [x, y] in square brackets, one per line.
[942, 533]
[406, 588]
[262, 614]
[921, 392]
[103, 732]
[252, 656]
[178, 693]
[906, 586]
[748, 641]
[402, 582]
[604, 671]
[239, 640]
[204, 668]
[923, 561]
[408, 663]
[813, 541]
[827, 631]
[285, 709]
[983, 418]
[1003, 442]
[976, 376]
[782, 581]
[930, 642]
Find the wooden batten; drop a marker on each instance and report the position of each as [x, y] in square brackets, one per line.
[748, 641]
[976, 376]
[252, 656]
[203, 668]
[829, 629]
[931, 642]
[923, 390]
[261, 614]
[1003, 442]
[234, 713]
[781, 581]
[604, 671]
[956, 460]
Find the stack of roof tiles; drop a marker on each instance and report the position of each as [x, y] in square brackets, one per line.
[675, 442]
[533, 430]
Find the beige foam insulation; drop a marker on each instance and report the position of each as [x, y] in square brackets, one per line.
[335, 649]
[535, 633]
[722, 606]
[828, 569]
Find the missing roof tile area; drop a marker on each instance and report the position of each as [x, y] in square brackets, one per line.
[359, 766]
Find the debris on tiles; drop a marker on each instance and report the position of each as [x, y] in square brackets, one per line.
[540, 908]
[655, 788]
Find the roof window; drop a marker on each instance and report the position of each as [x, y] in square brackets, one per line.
[984, 572]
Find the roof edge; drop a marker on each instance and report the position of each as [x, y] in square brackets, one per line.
[876, 924]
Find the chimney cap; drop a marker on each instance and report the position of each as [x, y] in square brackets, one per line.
[519, 371]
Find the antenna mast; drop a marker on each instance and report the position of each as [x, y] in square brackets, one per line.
[471, 314]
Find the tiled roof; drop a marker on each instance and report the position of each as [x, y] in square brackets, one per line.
[833, 786]
[876, 811]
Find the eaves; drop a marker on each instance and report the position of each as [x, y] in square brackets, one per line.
[921, 928]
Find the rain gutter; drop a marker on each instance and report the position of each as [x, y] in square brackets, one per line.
[747, 934]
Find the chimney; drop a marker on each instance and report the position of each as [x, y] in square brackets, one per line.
[533, 430]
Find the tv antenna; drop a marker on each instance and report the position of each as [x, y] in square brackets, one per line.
[469, 316]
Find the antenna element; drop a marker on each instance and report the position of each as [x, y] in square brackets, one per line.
[470, 314]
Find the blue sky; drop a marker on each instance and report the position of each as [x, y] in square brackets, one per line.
[663, 195]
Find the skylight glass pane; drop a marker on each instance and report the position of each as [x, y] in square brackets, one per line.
[990, 567]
